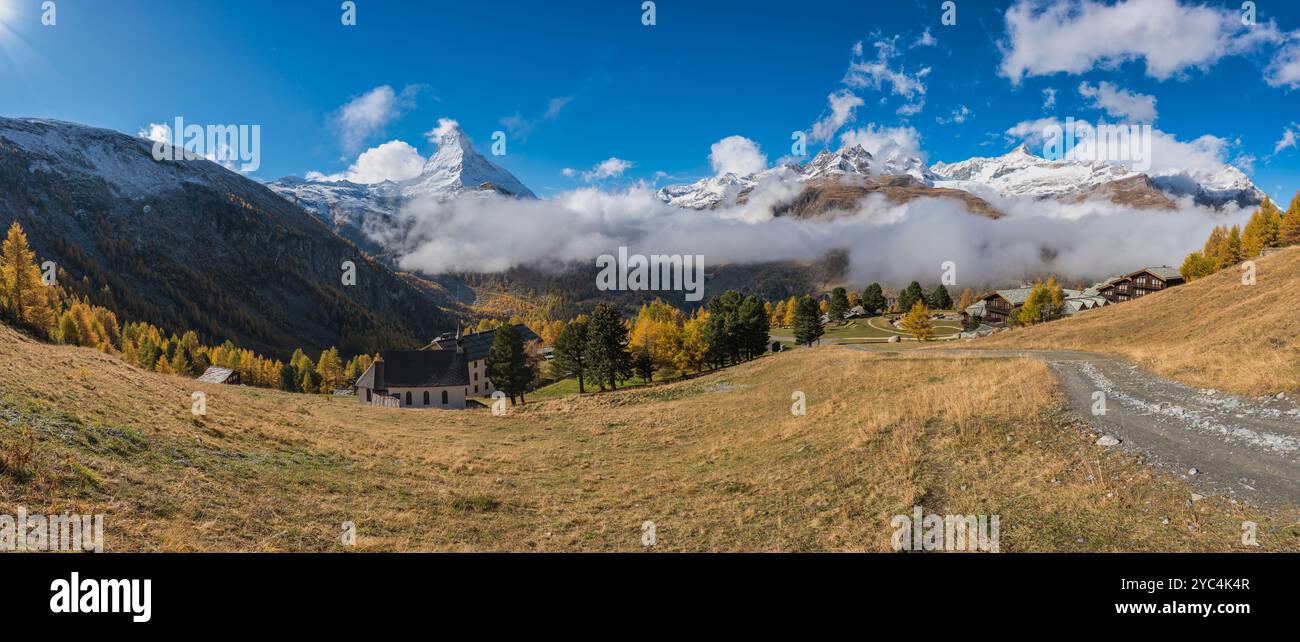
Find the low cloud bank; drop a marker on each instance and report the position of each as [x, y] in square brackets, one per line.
[887, 242]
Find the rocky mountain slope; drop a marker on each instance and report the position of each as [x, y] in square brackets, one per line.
[828, 195]
[188, 244]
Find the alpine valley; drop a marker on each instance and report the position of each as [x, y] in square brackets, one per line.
[191, 244]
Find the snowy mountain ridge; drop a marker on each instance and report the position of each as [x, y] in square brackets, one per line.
[1016, 174]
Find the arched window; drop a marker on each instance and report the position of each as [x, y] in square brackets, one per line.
[426, 397]
[444, 397]
[408, 397]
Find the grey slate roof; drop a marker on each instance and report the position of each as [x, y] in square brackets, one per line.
[215, 374]
[1017, 296]
[477, 344]
[418, 369]
[1165, 273]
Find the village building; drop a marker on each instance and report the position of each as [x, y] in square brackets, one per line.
[1153, 279]
[1140, 283]
[996, 308]
[999, 305]
[217, 374]
[416, 379]
[1082, 302]
[476, 348]
[1116, 289]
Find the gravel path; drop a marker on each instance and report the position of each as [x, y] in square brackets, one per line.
[1242, 447]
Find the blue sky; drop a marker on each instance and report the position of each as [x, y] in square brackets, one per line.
[577, 83]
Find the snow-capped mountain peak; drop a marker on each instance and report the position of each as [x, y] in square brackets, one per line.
[1021, 173]
[456, 167]
[852, 160]
[707, 192]
[1216, 188]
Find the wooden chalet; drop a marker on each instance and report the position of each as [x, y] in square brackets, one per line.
[1153, 279]
[997, 307]
[1140, 283]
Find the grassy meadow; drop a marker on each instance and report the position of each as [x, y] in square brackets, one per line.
[718, 462]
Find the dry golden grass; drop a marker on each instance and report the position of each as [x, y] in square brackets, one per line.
[718, 463]
[1214, 332]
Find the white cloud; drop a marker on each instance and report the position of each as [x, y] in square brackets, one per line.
[881, 74]
[885, 143]
[1049, 98]
[1031, 131]
[368, 114]
[156, 132]
[1284, 71]
[926, 39]
[1202, 156]
[611, 167]
[444, 127]
[843, 103]
[1245, 162]
[887, 242]
[959, 116]
[1074, 36]
[1288, 139]
[569, 172]
[558, 103]
[911, 109]
[392, 161]
[520, 127]
[1120, 103]
[737, 155]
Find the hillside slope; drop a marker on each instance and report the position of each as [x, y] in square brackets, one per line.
[718, 462]
[192, 245]
[1211, 333]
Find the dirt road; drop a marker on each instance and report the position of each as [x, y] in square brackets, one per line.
[1242, 447]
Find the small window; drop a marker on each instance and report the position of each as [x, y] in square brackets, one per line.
[476, 388]
[408, 397]
[444, 397]
[426, 397]
[475, 376]
[367, 395]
